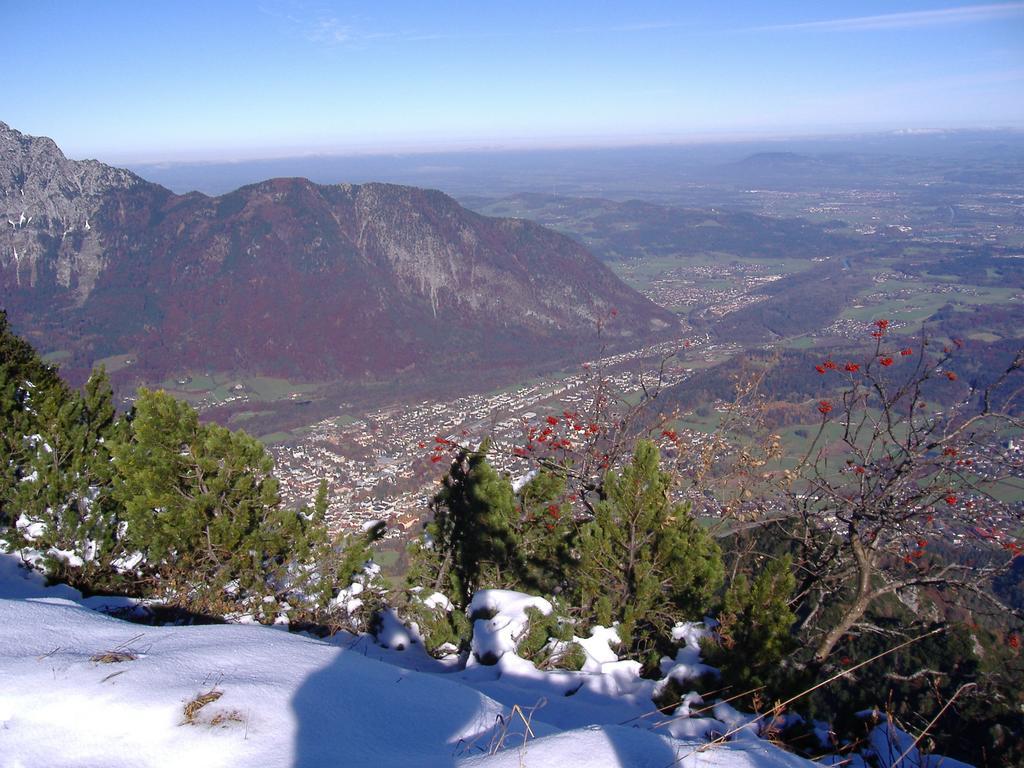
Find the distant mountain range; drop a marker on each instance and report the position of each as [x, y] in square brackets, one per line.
[689, 174]
[288, 278]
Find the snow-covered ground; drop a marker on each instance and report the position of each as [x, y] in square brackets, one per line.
[79, 688]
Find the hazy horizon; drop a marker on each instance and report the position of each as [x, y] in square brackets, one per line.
[553, 143]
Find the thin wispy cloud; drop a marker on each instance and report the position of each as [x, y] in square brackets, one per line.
[330, 31]
[316, 25]
[644, 26]
[639, 26]
[334, 33]
[964, 14]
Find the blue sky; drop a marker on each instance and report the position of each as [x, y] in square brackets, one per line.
[140, 80]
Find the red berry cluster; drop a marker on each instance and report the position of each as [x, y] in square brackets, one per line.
[916, 554]
[566, 433]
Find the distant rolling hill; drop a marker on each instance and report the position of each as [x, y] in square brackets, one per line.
[288, 278]
[635, 229]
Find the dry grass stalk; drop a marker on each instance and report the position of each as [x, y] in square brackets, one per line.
[113, 657]
[225, 718]
[193, 707]
[117, 654]
[48, 654]
[525, 714]
[922, 734]
[781, 706]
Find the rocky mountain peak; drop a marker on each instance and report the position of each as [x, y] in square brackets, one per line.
[290, 278]
[48, 210]
[37, 179]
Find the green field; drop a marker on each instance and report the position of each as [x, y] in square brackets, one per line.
[241, 416]
[283, 437]
[220, 387]
[57, 356]
[1009, 490]
[639, 274]
[116, 363]
[706, 424]
[922, 302]
[795, 438]
[984, 336]
[800, 342]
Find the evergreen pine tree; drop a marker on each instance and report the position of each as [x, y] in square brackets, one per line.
[334, 565]
[485, 536]
[26, 383]
[56, 478]
[755, 627]
[472, 531]
[544, 533]
[645, 562]
[194, 506]
[201, 505]
[68, 487]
